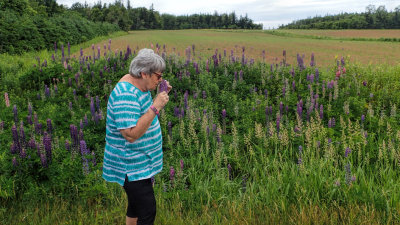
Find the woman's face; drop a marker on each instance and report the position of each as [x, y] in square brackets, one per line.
[154, 80]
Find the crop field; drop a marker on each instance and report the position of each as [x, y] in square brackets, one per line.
[248, 137]
[255, 42]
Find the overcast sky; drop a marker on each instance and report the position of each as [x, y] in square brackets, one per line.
[271, 13]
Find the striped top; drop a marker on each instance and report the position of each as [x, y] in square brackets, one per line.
[141, 159]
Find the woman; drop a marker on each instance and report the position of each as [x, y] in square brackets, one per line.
[133, 151]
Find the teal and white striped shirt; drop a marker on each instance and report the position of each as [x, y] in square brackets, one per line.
[141, 159]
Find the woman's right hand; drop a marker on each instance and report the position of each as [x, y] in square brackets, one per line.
[161, 100]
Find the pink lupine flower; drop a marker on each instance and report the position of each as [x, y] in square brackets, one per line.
[6, 99]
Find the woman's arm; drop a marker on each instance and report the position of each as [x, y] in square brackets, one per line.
[144, 122]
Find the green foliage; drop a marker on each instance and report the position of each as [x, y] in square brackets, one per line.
[28, 30]
[372, 18]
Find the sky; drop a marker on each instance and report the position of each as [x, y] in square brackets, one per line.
[271, 13]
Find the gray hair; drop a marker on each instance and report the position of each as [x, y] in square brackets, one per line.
[147, 62]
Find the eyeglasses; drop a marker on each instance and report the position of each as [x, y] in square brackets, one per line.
[159, 75]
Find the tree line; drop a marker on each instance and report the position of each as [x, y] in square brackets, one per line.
[372, 18]
[38, 24]
[27, 25]
[141, 18]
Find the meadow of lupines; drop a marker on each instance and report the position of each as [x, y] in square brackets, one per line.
[237, 131]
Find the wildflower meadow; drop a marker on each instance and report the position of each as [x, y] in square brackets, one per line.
[245, 140]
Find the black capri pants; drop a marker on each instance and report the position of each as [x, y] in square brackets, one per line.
[141, 201]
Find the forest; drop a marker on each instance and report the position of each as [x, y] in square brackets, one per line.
[372, 18]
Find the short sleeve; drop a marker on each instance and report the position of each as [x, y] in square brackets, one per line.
[126, 109]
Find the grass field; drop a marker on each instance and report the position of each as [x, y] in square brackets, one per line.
[206, 41]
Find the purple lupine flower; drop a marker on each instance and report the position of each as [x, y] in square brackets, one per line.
[300, 62]
[204, 95]
[163, 86]
[362, 118]
[280, 108]
[15, 136]
[38, 128]
[49, 126]
[342, 61]
[46, 91]
[182, 112]
[312, 63]
[329, 123]
[47, 147]
[13, 148]
[300, 160]
[266, 93]
[171, 173]
[83, 148]
[294, 85]
[329, 140]
[182, 164]
[347, 152]
[92, 108]
[208, 130]
[278, 121]
[321, 111]
[74, 135]
[299, 110]
[22, 135]
[97, 103]
[316, 74]
[43, 160]
[81, 136]
[364, 83]
[15, 111]
[241, 75]
[98, 52]
[177, 112]
[223, 114]
[229, 171]
[81, 125]
[214, 127]
[67, 145]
